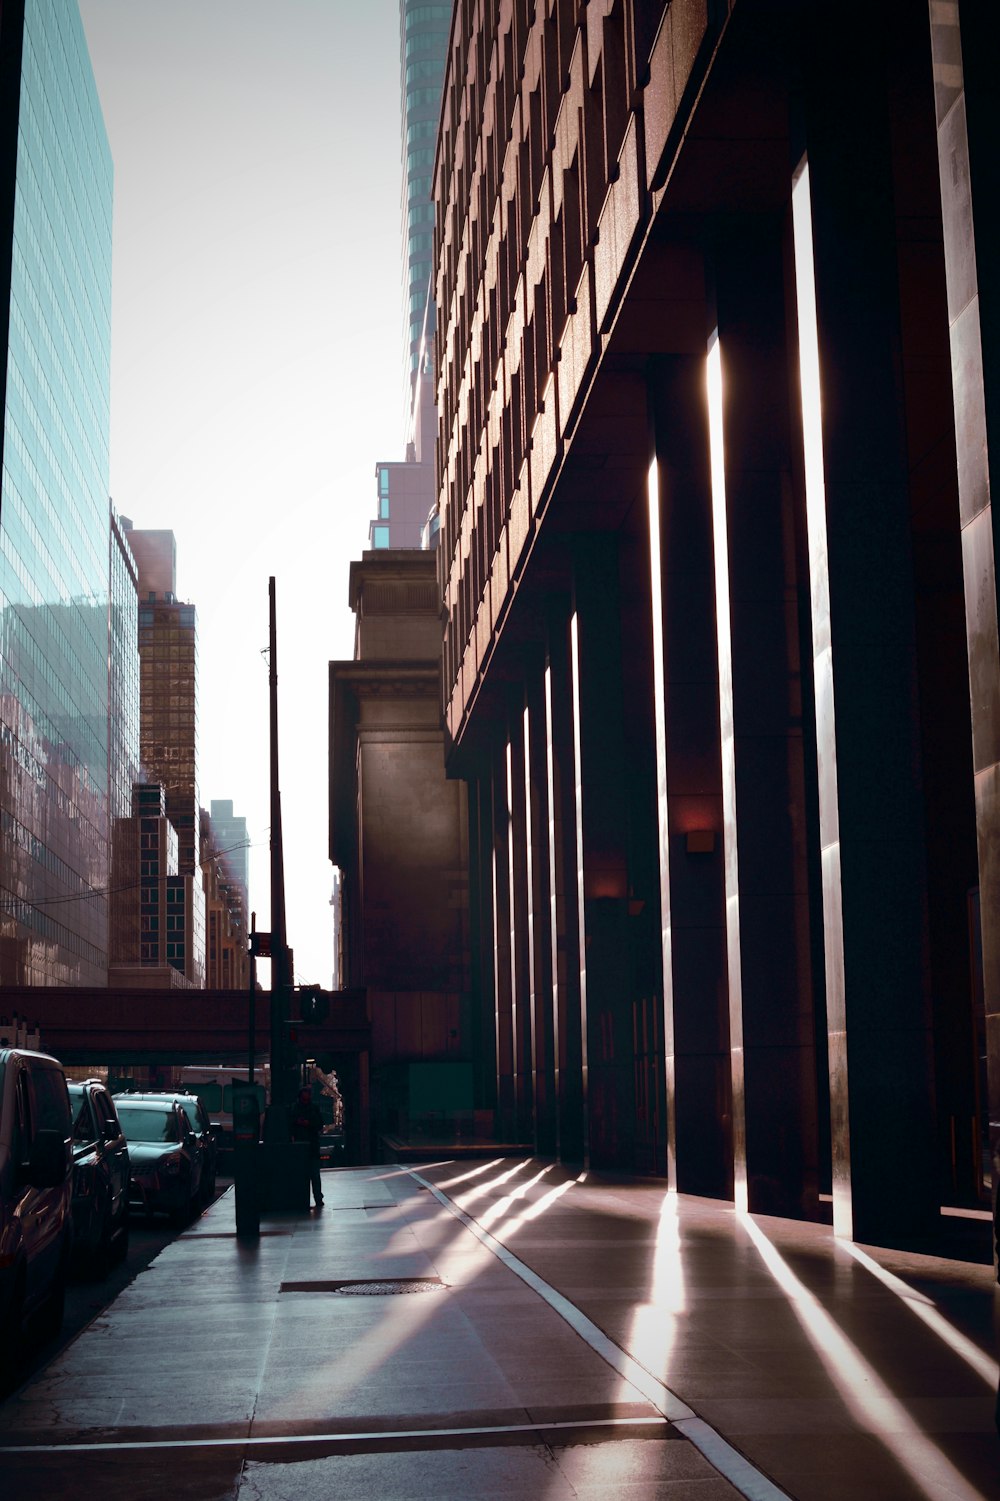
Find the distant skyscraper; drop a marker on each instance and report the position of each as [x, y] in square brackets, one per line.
[168, 737]
[55, 324]
[123, 674]
[232, 841]
[224, 871]
[406, 488]
[423, 35]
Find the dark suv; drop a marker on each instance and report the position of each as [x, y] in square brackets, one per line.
[197, 1115]
[100, 1178]
[36, 1226]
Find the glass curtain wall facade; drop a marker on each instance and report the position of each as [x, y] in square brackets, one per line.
[55, 256]
[123, 676]
[123, 745]
[423, 42]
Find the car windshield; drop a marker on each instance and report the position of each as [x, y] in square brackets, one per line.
[190, 1109]
[83, 1128]
[148, 1125]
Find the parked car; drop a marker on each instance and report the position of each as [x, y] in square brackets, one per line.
[200, 1124]
[164, 1157]
[331, 1146]
[100, 1178]
[36, 1224]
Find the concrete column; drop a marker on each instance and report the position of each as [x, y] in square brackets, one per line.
[569, 1040]
[862, 609]
[772, 1023]
[539, 917]
[602, 834]
[964, 41]
[483, 1025]
[518, 903]
[506, 1119]
[696, 1015]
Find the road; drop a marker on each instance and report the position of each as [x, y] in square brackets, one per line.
[86, 1297]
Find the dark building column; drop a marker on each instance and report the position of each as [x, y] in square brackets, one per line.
[772, 1024]
[602, 833]
[964, 42]
[506, 1122]
[518, 900]
[643, 848]
[870, 807]
[483, 1025]
[539, 917]
[696, 1014]
[570, 1040]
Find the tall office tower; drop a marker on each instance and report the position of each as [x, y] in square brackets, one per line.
[227, 957]
[423, 40]
[158, 939]
[123, 739]
[232, 841]
[406, 495]
[55, 324]
[123, 672]
[168, 700]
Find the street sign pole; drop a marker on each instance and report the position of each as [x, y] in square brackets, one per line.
[281, 1093]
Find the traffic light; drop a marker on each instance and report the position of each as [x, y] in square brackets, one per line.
[314, 1005]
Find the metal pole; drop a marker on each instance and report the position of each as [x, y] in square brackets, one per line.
[252, 1039]
[280, 977]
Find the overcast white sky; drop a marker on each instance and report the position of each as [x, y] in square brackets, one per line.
[257, 363]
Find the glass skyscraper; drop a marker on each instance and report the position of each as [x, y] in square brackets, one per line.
[424, 33]
[55, 314]
[406, 488]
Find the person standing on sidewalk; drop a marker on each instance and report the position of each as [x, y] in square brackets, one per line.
[305, 1125]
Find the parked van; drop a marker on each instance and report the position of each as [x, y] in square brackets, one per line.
[36, 1224]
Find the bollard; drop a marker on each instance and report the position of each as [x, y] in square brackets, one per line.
[246, 1142]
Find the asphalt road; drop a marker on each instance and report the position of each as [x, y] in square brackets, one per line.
[87, 1297]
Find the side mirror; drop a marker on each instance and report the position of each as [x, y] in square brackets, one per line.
[47, 1167]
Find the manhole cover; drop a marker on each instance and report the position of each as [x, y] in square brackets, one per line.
[374, 1287]
[383, 1289]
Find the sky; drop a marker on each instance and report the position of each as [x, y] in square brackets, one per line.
[257, 365]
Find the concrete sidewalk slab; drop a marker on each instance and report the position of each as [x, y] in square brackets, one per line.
[556, 1321]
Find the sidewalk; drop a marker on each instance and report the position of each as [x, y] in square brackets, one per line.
[501, 1329]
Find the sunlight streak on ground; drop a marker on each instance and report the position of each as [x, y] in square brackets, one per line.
[655, 1319]
[532, 1210]
[474, 1172]
[497, 1211]
[860, 1387]
[403, 1172]
[924, 1308]
[482, 1189]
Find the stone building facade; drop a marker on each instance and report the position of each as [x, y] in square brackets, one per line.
[718, 569]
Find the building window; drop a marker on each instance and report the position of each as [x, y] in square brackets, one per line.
[383, 508]
[380, 536]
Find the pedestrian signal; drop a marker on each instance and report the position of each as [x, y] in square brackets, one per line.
[314, 1005]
